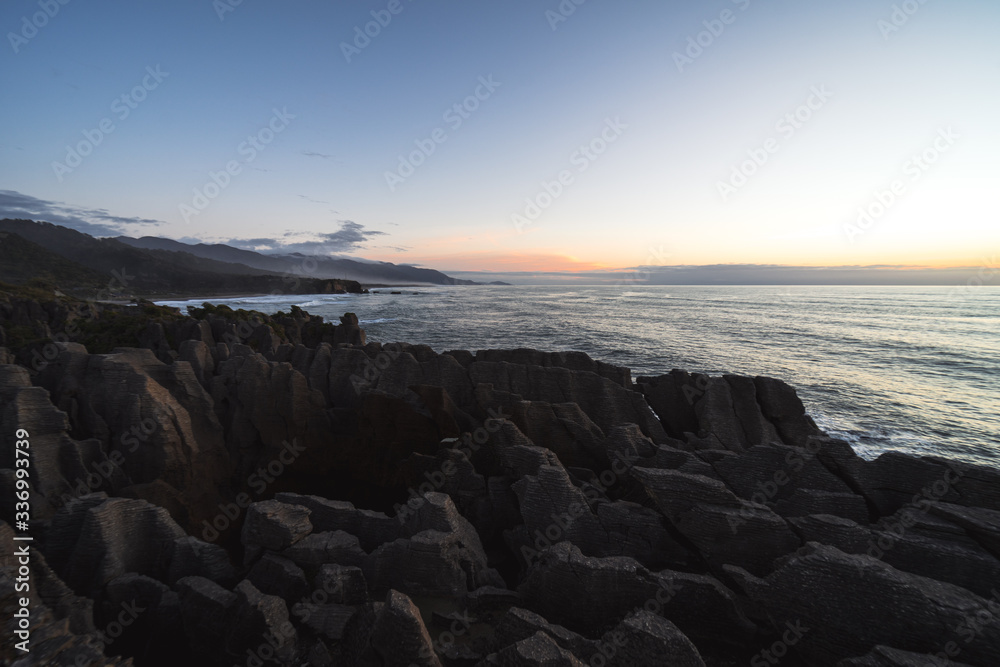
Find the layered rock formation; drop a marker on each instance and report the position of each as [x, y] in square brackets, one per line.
[264, 493]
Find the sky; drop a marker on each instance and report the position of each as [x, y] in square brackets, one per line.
[516, 136]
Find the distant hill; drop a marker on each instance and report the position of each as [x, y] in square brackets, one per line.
[22, 261]
[326, 267]
[73, 259]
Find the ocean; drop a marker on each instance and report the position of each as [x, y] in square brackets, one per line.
[913, 369]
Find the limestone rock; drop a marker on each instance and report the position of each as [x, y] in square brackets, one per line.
[644, 639]
[371, 528]
[591, 595]
[520, 624]
[117, 537]
[399, 635]
[206, 613]
[317, 549]
[853, 603]
[274, 526]
[274, 575]
[261, 620]
[341, 584]
[724, 528]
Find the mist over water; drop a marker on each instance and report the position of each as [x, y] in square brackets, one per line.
[915, 369]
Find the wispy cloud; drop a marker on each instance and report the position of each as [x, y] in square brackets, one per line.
[351, 237]
[325, 156]
[93, 221]
[315, 201]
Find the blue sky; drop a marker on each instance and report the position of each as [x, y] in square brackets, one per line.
[665, 188]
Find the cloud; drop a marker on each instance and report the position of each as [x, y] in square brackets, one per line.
[325, 156]
[252, 244]
[315, 201]
[93, 221]
[351, 237]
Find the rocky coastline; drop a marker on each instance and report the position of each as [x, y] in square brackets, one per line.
[231, 488]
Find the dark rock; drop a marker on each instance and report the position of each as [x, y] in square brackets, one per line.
[981, 524]
[539, 650]
[555, 510]
[836, 531]
[341, 584]
[65, 527]
[519, 624]
[192, 557]
[673, 458]
[153, 420]
[672, 398]
[117, 537]
[768, 473]
[591, 595]
[724, 528]
[629, 443]
[430, 563]
[804, 502]
[274, 575]
[574, 361]
[885, 656]
[318, 549]
[260, 621]
[274, 526]
[894, 480]
[490, 599]
[206, 614]
[644, 639]
[199, 355]
[371, 528]
[782, 407]
[148, 613]
[399, 635]
[327, 620]
[449, 471]
[850, 604]
[604, 402]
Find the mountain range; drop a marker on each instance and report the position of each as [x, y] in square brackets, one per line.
[363, 271]
[150, 265]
